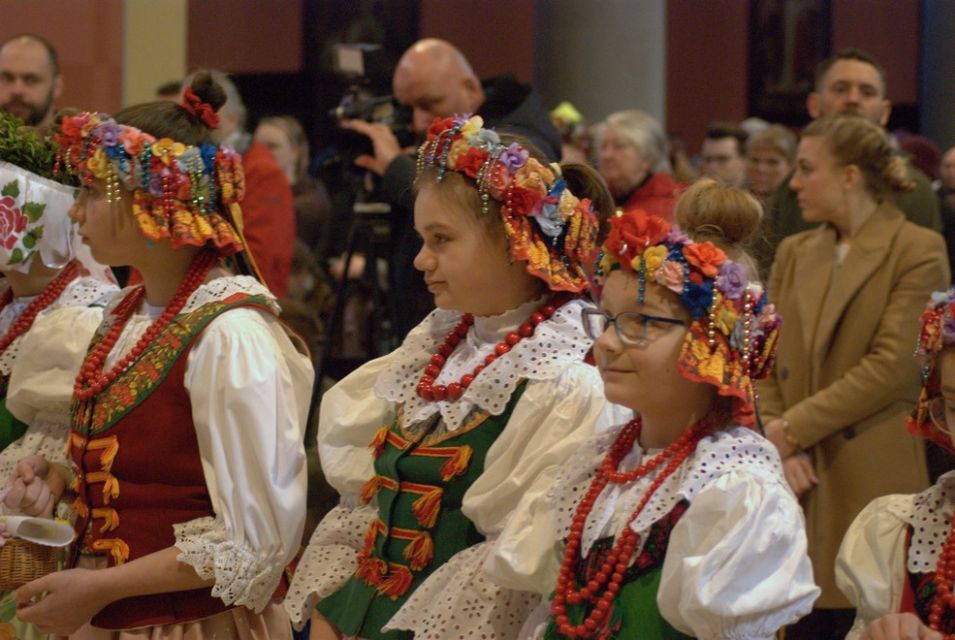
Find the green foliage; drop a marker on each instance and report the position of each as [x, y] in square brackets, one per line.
[22, 146]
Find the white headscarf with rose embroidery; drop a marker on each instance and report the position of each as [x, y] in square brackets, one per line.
[34, 220]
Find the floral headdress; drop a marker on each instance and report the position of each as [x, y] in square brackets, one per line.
[937, 333]
[179, 191]
[547, 226]
[733, 330]
[34, 207]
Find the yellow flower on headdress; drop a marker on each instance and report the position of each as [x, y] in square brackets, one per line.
[98, 163]
[654, 258]
[568, 204]
[458, 148]
[534, 175]
[473, 125]
[167, 150]
[726, 319]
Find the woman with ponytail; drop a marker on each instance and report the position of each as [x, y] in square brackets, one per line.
[851, 291]
[187, 475]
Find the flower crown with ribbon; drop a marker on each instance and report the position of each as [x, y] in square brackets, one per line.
[733, 330]
[937, 333]
[547, 226]
[179, 192]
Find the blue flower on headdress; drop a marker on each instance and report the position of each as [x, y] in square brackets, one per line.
[485, 139]
[547, 214]
[208, 152]
[697, 298]
[732, 279]
[514, 157]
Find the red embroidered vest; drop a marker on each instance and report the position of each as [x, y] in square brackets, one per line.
[138, 469]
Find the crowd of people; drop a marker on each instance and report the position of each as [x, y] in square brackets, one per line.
[634, 395]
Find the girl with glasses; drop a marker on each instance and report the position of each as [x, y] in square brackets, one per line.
[678, 523]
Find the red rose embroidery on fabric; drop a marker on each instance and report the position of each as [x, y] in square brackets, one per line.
[12, 222]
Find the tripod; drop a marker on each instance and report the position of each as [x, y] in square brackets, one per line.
[369, 235]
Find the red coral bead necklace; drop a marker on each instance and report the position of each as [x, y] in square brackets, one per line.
[45, 298]
[601, 590]
[943, 580]
[92, 379]
[430, 391]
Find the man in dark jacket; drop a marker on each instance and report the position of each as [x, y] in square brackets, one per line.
[435, 80]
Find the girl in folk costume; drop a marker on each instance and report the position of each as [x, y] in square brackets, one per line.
[46, 317]
[188, 472]
[432, 446]
[896, 564]
[678, 523]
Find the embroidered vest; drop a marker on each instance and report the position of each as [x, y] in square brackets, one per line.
[11, 429]
[137, 468]
[634, 612]
[918, 591]
[419, 491]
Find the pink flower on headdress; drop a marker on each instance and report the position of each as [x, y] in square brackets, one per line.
[513, 158]
[134, 140]
[670, 275]
[498, 180]
[12, 222]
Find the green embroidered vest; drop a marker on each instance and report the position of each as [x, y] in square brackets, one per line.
[420, 525]
[11, 429]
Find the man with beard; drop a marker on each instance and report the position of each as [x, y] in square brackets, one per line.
[850, 81]
[30, 79]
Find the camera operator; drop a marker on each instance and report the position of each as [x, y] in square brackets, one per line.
[434, 79]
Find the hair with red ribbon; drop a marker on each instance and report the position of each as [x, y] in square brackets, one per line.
[198, 108]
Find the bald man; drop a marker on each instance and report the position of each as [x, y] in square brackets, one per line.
[30, 79]
[435, 80]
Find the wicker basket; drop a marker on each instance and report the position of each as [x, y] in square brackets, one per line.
[21, 562]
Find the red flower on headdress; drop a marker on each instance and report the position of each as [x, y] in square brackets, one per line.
[633, 232]
[438, 125]
[470, 163]
[12, 222]
[522, 201]
[706, 257]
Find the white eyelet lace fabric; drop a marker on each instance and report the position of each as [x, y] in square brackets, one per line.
[734, 449]
[241, 578]
[82, 292]
[930, 516]
[328, 561]
[556, 344]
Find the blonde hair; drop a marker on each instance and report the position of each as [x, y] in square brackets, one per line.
[643, 132]
[726, 216]
[853, 140]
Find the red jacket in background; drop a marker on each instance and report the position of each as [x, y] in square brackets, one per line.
[268, 212]
[657, 196]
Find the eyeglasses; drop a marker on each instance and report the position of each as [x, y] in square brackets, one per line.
[633, 328]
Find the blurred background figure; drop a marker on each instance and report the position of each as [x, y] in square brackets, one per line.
[945, 188]
[769, 159]
[30, 80]
[632, 158]
[681, 168]
[574, 136]
[284, 136]
[723, 153]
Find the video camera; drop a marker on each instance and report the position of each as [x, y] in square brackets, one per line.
[365, 66]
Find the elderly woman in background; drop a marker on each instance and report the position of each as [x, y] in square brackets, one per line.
[286, 139]
[769, 159]
[632, 158]
[850, 291]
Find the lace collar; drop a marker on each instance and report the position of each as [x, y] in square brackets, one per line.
[930, 515]
[556, 343]
[733, 449]
[211, 291]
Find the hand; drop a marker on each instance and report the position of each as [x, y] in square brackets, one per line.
[799, 473]
[73, 597]
[899, 626]
[29, 491]
[776, 433]
[383, 141]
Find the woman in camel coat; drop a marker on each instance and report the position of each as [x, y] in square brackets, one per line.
[850, 293]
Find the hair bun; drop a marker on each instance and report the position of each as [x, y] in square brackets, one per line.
[721, 214]
[208, 90]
